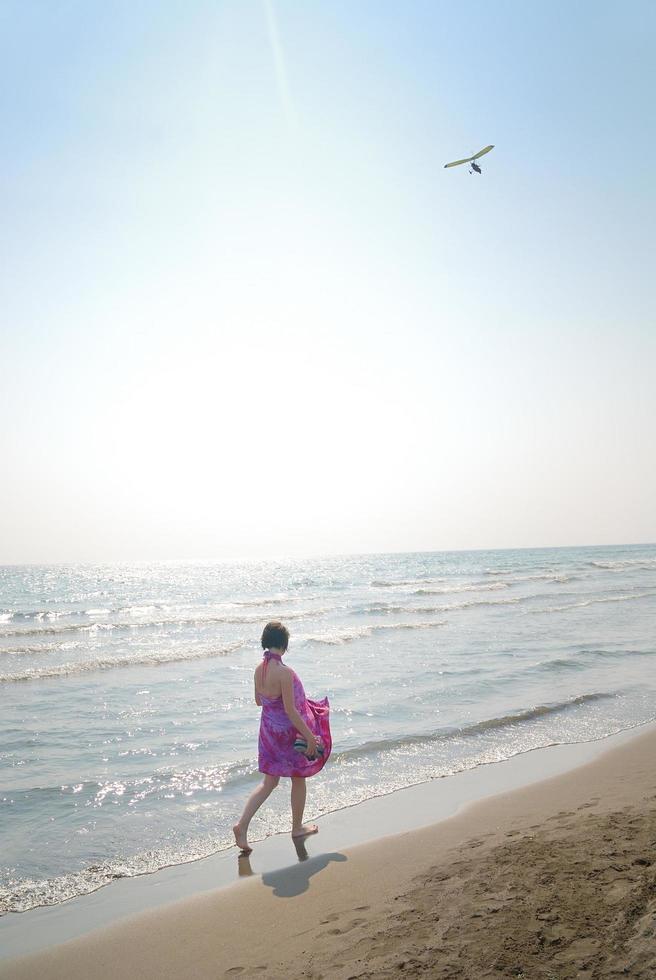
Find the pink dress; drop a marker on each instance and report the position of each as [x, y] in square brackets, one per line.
[276, 753]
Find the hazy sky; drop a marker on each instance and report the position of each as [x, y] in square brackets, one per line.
[246, 312]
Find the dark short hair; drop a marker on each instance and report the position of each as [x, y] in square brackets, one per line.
[275, 635]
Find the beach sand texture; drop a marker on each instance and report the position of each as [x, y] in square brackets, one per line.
[555, 880]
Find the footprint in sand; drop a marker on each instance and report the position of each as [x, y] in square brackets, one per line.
[351, 925]
[618, 890]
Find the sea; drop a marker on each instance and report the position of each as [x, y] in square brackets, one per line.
[128, 728]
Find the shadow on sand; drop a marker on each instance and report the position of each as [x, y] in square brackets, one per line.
[294, 880]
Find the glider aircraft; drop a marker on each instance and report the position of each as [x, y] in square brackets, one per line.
[474, 168]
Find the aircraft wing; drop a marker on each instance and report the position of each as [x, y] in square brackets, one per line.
[482, 153]
[456, 163]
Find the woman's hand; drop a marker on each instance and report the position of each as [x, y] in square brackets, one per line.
[287, 687]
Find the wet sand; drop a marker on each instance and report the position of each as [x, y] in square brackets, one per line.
[553, 880]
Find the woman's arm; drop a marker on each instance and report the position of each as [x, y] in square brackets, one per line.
[287, 685]
[258, 700]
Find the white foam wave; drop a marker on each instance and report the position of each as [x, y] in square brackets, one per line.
[626, 564]
[339, 637]
[590, 602]
[30, 651]
[540, 571]
[384, 607]
[269, 601]
[470, 587]
[430, 586]
[470, 603]
[233, 619]
[28, 893]
[390, 607]
[106, 663]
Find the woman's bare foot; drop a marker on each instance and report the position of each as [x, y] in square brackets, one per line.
[305, 829]
[241, 840]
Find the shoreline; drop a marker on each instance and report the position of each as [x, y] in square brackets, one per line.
[417, 810]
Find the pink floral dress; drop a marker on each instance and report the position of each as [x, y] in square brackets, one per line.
[276, 753]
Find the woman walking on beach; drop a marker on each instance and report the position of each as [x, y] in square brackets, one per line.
[294, 734]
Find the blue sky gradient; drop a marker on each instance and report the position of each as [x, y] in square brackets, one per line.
[228, 237]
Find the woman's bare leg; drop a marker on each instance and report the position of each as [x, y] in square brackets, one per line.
[253, 804]
[300, 829]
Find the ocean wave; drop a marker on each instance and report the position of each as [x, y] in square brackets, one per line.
[538, 571]
[39, 615]
[478, 728]
[445, 589]
[626, 564]
[30, 651]
[383, 607]
[586, 658]
[618, 652]
[511, 578]
[337, 638]
[142, 609]
[20, 895]
[273, 601]
[107, 663]
[590, 602]
[390, 607]
[176, 610]
[558, 664]
[231, 619]
[465, 672]
[471, 603]
[35, 615]
[471, 587]
[59, 630]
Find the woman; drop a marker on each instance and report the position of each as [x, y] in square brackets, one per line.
[294, 737]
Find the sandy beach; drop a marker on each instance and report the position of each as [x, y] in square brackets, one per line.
[554, 880]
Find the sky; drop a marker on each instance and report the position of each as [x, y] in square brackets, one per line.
[246, 312]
